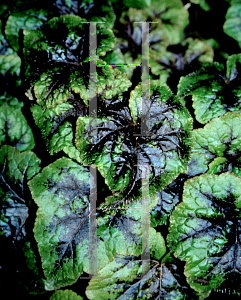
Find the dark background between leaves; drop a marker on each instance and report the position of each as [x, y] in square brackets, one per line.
[204, 24]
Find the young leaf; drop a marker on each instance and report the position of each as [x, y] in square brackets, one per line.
[216, 147]
[119, 154]
[65, 295]
[117, 281]
[213, 93]
[14, 129]
[173, 15]
[189, 54]
[15, 168]
[204, 230]
[61, 228]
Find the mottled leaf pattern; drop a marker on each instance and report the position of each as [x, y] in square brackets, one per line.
[119, 154]
[205, 230]
[117, 280]
[216, 147]
[15, 169]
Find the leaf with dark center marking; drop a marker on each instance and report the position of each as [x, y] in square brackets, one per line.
[119, 154]
[205, 229]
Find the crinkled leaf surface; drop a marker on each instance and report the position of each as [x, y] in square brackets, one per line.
[57, 86]
[119, 154]
[14, 129]
[16, 168]
[10, 63]
[59, 103]
[11, 101]
[63, 140]
[65, 295]
[205, 229]
[117, 57]
[62, 41]
[213, 92]
[217, 146]
[117, 280]
[29, 19]
[173, 15]
[132, 38]
[122, 231]
[61, 229]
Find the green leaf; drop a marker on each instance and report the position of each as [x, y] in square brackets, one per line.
[16, 167]
[139, 4]
[31, 277]
[158, 38]
[11, 101]
[46, 48]
[10, 63]
[63, 140]
[217, 146]
[173, 15]
[118, 154]
[117, 280]
[95, 11]
[203, 4]
[29, 19]
[122, 231]
[117, 57]
[14, 129]
[61, 228]
[232, 24]
[53, 89]
[204, 230]
[55, 107]
[65, 295]
[213, 93]
[190, 53]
